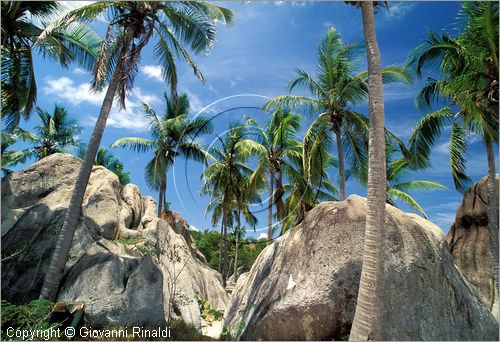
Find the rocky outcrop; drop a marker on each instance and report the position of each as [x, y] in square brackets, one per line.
[304, 286]
[180, 226]
[469, 242]
[129, 267]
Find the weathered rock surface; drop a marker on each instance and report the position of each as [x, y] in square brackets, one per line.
[469, 242]
[304, 286]
[180, 226]
[133, 281]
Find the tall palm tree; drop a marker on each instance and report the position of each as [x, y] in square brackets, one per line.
[222, 179]
[107, 159]
[308, 175]
[173, 134]
[21, 29]
[132, 25]
[469, 80]
[368, 319]
[398, 188]
[244, 196]
[277, 141]
[335, 88]
[54, 134]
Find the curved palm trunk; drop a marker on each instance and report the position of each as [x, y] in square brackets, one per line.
[63, 245]
[492, 210]
[60, 255]
[236, 238]
[270, 206]
[280, 206]
[340, 153]
[368, 319]
[224, 251]
[160, 198]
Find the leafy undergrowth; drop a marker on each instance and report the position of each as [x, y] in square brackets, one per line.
[33, 316]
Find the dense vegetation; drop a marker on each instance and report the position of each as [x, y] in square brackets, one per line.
[208, 242]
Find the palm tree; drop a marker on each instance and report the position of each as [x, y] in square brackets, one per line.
[244, 196]
[222, 178]
[20, 33]
[11, 157]
[368, 319]
[308, 175]
[397, 187]
[105, 158]
[54, 134]
[174, 135]
[335, 88]
[132, 25]
[277, 141]
[469, 80]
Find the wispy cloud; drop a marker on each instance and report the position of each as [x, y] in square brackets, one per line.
[66, 90]
[79, 71]
[398, 10]
[443, 220]
[153, 71]
[262, 236]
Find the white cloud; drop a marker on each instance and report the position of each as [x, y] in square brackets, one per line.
[193, 228]
[153, 71]
[79, 71]
[398, 10]
[443, 148]
[262, 236]
[328, 24]
[66, 90]
[279, 3]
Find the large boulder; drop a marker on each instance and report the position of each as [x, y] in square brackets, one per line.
[129, 267]
[469, 242]
[304, 286]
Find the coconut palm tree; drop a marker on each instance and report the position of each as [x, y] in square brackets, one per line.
[132, 24]
[398, 188]
[308, 175]
[107, 159]
[173, 134]
[277, 141]
[22, 24]
[222, 179]
[335, 88]
[11, 157]
[54, 134]
[244, 196]
[368, 318]
[469, 80]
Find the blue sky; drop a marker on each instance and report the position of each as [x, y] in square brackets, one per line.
[253, 60]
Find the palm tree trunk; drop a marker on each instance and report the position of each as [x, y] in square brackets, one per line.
[160, 199]
[270, 206]
[165, 202]
[221, 247]
[368, 319]
[340, 152]
[65, 239]
[224, 251]
[280, 206]
[492, 210]
[236, 239]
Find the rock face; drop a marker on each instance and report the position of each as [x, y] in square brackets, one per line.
[304, 286]
[128, 266]
[469, 243]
